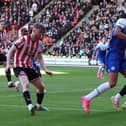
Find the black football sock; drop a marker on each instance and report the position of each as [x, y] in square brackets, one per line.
[40, 97]
[27, 97]
[123, 91]
[8, 75]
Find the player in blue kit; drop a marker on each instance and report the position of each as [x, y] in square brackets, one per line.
[101, 49]
[116, 99]
[115, 62]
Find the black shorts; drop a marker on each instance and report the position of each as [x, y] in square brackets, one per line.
[3, 58]
[31, 73]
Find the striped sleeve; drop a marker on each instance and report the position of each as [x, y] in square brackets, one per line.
[20, 42]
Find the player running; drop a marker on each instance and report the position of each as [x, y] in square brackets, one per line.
[4, 44]
[101, 49]
[26, 50]
[115, 62]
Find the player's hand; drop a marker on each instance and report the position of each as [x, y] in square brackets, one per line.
[49, 73]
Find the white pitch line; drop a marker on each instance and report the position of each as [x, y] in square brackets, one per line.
[58, 108]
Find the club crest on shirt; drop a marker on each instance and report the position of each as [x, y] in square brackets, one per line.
[113, 68]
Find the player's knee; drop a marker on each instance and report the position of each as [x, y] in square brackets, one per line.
[112, 85]
[26, 87]
[41, 89]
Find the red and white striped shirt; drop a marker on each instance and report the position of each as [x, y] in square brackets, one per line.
[26, 52]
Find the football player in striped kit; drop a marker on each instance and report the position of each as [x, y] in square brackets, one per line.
[4, 43]
[26, 49]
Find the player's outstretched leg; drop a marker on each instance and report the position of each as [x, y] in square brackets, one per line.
[96, 92]
[28, 101]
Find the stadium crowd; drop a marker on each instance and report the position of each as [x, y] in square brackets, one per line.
[61, 16]
[83, 39]
[58, 18]
[21, 11]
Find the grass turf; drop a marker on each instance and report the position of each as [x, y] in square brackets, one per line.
[63, 99]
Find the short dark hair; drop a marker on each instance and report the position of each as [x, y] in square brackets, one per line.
[39, 26]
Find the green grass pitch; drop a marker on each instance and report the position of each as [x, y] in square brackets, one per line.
[63, 99]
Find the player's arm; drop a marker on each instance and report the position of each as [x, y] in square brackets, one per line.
[9, 55]
[95, 51]
[41, 62]
[17, 44]
[7, 42]
[118, 32]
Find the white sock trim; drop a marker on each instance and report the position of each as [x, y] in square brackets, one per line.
[10, 82]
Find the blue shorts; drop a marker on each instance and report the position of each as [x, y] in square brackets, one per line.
[101, 59]
[115, 62]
